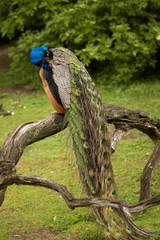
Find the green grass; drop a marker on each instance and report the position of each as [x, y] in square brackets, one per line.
[37, 213]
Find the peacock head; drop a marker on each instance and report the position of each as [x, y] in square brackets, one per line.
[38, 54]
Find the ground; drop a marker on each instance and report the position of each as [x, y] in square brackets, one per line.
[41, 234]
[24, 89]
[36, 213]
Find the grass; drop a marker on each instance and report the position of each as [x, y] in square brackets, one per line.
[27, 210]
[37, 213]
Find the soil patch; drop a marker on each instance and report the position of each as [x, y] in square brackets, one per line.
[25, 89]
[45, 233]
[3, 52]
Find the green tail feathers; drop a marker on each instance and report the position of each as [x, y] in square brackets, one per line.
[92, 150]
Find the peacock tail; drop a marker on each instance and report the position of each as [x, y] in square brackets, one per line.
[92, 146]
[85, 115]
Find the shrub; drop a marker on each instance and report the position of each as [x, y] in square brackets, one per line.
[115, 39]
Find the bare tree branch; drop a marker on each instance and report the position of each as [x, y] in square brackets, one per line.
[22, 136]
[27, 133]
[81, 202]
[116, 138]
[126, 119]
[146, 176]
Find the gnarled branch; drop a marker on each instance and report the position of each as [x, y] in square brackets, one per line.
[27, 133]
[126, 119]
[73, 202]
[148, 172]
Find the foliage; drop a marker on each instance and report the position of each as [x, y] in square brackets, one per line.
[28, 212]
[115, 39]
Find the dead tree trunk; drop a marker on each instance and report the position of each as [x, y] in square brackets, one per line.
[123, 119]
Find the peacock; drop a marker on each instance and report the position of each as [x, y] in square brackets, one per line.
[72, 92]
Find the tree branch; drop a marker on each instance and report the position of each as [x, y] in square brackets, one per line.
[27, 133]
[82, 202]
[116, 138]
[22, 136]
[146, 176]
[126, 119]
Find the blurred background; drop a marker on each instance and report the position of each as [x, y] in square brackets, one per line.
[118, 41]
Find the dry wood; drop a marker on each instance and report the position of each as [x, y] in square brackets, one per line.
[126, 119]
[146, 176]
[73, 202]
[28, 133]
[116, 138]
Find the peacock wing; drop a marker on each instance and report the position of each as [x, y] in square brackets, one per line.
[61, 76]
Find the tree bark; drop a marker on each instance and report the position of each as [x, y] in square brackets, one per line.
[116, 138]
[146, 176]
[126, 119]
[27, 133]
[22, 136]
[73, 202]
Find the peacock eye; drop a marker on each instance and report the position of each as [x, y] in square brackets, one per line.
[49, 54]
